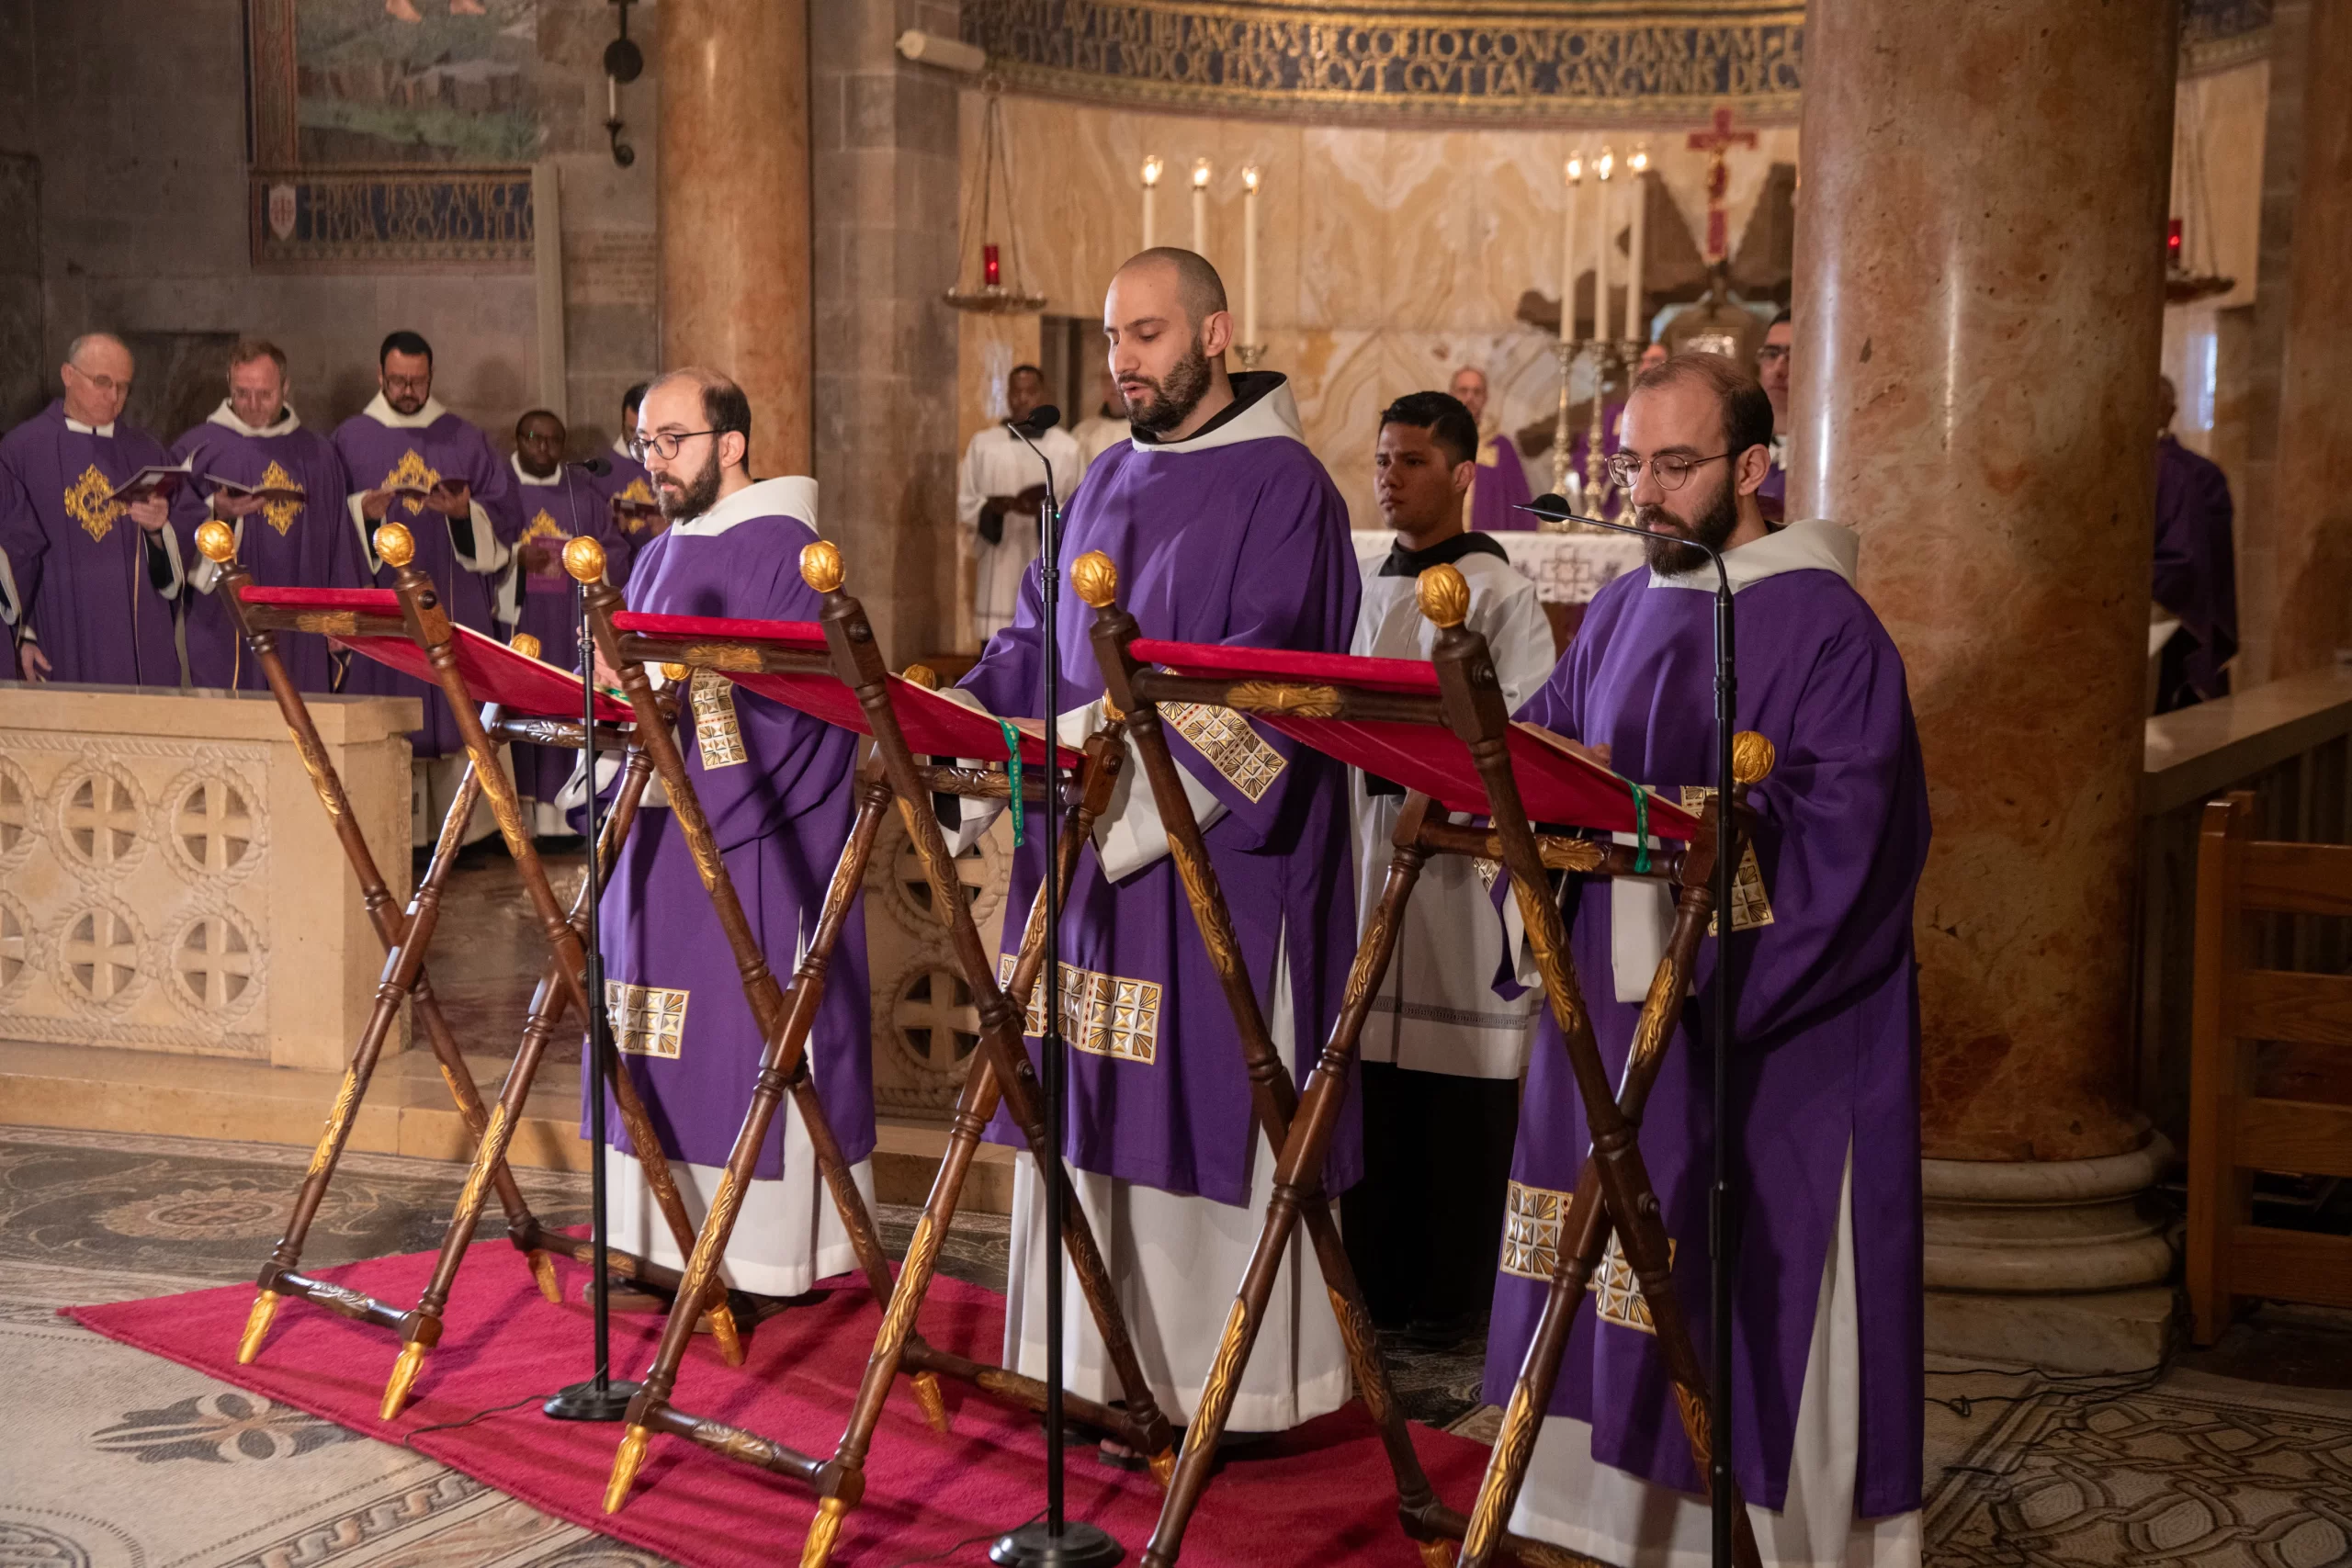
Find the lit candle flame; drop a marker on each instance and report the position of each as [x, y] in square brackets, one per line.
[1608, 163]
[1575, 169]
[1249, 177]
[1151, 169]
[1200, 174]
[1639, 161]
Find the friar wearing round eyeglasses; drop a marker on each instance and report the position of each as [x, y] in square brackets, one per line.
[1827, 1380]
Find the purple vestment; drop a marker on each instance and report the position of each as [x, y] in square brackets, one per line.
[1235, 535]
[286, 544]
[376, 455]
[568, 506]
[1827, 1049]
[775, 785]
[2196, 574]
[628, 480]
[1500, 484]
[74, 571]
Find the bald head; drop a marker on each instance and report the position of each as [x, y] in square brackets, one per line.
[1165, 324]
[1197, 287]
[96, 374]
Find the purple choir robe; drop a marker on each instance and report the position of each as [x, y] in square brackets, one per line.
[439, 445]
[554, 512]
[2196, 574]
[1235, 536]
[286, 543]
[73, 571]
[626, 480]
[1828, 1019]
[1499, 485]
[776, 785]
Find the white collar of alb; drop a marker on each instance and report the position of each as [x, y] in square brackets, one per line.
[791, 495]
[226, 416]
[1810, 544]
[78, 428]
[1275, 414]
[620, 449]
[390, 418]
[529, 478]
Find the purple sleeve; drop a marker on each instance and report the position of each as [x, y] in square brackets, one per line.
[1006, 678]
[493, 486]
[22, 539]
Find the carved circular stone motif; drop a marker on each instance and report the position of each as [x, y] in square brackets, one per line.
[215, 965]
[99, 819]
[934, 1020]
[27, 1545]
[99, 958]
[213, 825]
[17, 807]
[980, 870]
[15, 944]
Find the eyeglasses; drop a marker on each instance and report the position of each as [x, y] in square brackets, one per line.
[1771, 354]
[105, 384]
[665, 445]
[409, 383]
[1671, 469]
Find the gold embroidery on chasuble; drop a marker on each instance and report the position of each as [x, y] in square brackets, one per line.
[543, 526]
[1103, 1015]
[718, 737]
[648, 1020]
[279, 515]
[637, 495]
[411, 472]
[1532, 1222]
[89, 502]
[1749, 908]
[1231, 744]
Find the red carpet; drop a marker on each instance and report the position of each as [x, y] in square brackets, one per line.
[1322, 1494]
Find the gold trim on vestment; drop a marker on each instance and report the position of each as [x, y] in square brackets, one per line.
[648, 1020]
[1103, 1015]
[1230, 743]
[718, 737]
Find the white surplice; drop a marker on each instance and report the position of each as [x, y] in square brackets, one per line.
[997, 463]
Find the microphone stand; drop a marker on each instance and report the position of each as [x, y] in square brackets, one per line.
[1056, 1543]
[1722, 1237]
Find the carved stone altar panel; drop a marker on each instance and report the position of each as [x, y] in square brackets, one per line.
[926, 1023]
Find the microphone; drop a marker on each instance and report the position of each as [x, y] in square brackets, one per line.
[1042, 418]
[1554, 508]
[601, 467]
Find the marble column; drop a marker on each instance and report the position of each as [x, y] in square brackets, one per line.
[1979, 296]
[734, 209]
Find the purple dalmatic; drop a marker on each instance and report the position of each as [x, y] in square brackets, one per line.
[1233, 535]
[464, 557]
[1827, 1054]
[776, 786]
[95, 590]
[626, 481]
[555, 509]
[2197, 573]
[1498, 487]
[285, 544]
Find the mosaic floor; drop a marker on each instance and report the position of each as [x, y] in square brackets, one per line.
[112, 1459]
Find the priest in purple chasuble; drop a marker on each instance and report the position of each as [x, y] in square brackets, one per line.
[255, 440]
[1500, 483]
[777, 786]
[90, 585]
[1828, 1380]
[1225, 529]
[2196, 574]
[625, 486]
[559, 503]
[465, 525]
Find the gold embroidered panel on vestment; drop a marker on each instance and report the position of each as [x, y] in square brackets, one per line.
[279, 515]
[1231, 744]
[1749, 908]
[637, 495]
[412, 472]
[716, 735]
[1533, 1219]
[648, 1020]
[542, 527]
[87, 502]
[1103, 1015]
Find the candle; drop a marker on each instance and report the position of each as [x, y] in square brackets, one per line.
[1250, 255]
[1569, 247]
[1201, 207]
[1150, 193]
[1638, 321]
[612, 97]
[1601, 315]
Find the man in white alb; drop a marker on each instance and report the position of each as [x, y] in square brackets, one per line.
[1001, 494]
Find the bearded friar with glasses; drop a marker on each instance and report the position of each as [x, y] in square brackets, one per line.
[1826, 1382]
[776, 786]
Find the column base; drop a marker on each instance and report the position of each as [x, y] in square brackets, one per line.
[2064, 1265]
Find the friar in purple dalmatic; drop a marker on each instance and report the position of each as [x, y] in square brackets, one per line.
[626, 487]
[413, 462]
[90, 584]
[559, 503]
[1225, 529]
[1498, 486]
[776, 785]
[1827, 1386]
[2197, 572]
[1772, 374]
[281, 486]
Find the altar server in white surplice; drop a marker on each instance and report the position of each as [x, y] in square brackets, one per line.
[1441, 1052]
[1001, 492]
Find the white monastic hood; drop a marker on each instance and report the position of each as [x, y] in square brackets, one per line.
[525, 475]
[793, 495]
[390, 418]
[1275, 414]
[288, 421]
[1810, 544]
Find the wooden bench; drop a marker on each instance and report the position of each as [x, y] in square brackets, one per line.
[2235, 1131]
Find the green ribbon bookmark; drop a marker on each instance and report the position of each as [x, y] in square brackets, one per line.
[1013, 761]
[1641, 829]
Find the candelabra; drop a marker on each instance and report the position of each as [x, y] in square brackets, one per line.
[1250, 353]
[1594, 484]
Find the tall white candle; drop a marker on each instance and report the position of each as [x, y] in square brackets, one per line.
[1150, 201]
[1638, 321]
[1201, 207]
[1570, 246]
[1250, 255]
[1603, 317]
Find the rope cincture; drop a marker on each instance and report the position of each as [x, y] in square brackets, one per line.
[1013, 766]
[1641, 829]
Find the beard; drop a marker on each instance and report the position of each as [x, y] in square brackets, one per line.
[1713, 526]
[406, 403]
[1173, 398]
[698, 495]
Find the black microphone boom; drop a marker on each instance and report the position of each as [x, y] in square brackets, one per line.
[600, 466]
[1041, 419]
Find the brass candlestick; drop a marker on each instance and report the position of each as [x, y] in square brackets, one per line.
[1250, 353]
[1596, 461]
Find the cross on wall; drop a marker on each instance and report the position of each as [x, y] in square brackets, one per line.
[1714, 142]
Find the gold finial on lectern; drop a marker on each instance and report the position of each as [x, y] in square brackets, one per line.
[1752, 757]
[525, 644]
[217, 542]
[820, 565]
[1444, 596]
[395, 545]
[676, 671]
[584, 558]
[1097, 579]
[922, 675]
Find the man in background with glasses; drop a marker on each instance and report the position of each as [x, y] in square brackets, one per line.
[1826, 1384]
[413, 462]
